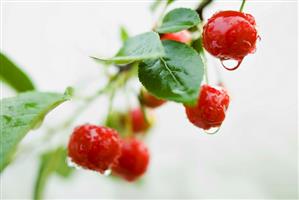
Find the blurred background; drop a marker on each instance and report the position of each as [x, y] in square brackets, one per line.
[254, 155]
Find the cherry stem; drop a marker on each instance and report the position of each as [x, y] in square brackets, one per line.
[206, 74]
[202, 6]
[160, 17]
[242, 5]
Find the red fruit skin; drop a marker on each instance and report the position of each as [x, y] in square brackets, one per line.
[150, 100]
[230, 35]
[210, 109]
[133, 161]
[182, 36]
[94, 147]
[139, 124]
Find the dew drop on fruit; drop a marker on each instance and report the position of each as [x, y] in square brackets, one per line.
[107, 172]
[70, 163]
[212, 130]
[231, 64]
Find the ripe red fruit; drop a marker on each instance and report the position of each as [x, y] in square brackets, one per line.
[210, 109]
[139, 123]
[133, 161]
[150, 100]
[94, 147]
[230, 35]
[182, 36]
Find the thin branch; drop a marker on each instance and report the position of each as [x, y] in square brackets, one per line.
[201, 7]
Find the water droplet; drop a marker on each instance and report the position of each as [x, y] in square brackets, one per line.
[70, 163]
[107, 172]
[231, 64]
[7, 118]
[212, 130]
[30, 105]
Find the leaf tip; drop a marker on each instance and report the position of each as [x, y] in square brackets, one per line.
[69, 93]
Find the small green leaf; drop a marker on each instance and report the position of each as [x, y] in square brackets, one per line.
[11, 74]
[170, 2]
[51, 162]
[177, 76]
[124, 35]
[140, 47]
[155, 5]
[179, 19]
[20, 114]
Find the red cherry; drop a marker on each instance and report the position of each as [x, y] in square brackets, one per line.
[139, 123]
[182, 36]
[94, 147]
[210, 109]
[133, 161]
[150, 100]
[230, 35]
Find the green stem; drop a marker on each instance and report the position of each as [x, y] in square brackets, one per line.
[206, 75]
[201, 7]
[161, 16]
[242, 5]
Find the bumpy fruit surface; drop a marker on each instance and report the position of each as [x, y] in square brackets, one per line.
[150, 100]
[230, 35]
[182, 36]
[133, 161]
[94, 147]
[210, 109]
[139, 123]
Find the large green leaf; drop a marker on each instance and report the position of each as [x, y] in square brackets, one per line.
[50, 163]
[11, 74]
[140, 47]
[22, 113]
[179, 19]
[177, 76]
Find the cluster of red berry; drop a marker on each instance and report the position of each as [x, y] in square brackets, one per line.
[101, 148]
[226, 35]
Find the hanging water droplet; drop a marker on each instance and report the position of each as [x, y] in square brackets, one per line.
[212, 130]
[107, 172]
[70, 163]
[231, 64]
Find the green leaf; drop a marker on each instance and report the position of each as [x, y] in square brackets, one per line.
[179, 19]
[175, 77]
[155, 5]
[22, 113]
[170, 2]
[140, 47]
[124, 35]
[11, 74]
[51, 162]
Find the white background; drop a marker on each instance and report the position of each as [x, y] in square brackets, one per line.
[253, 156]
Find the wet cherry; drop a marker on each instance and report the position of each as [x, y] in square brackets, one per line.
[94, 147]
[150, 100]
[210, 109]
[133, 161]
[230, 35]
[139, 123]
